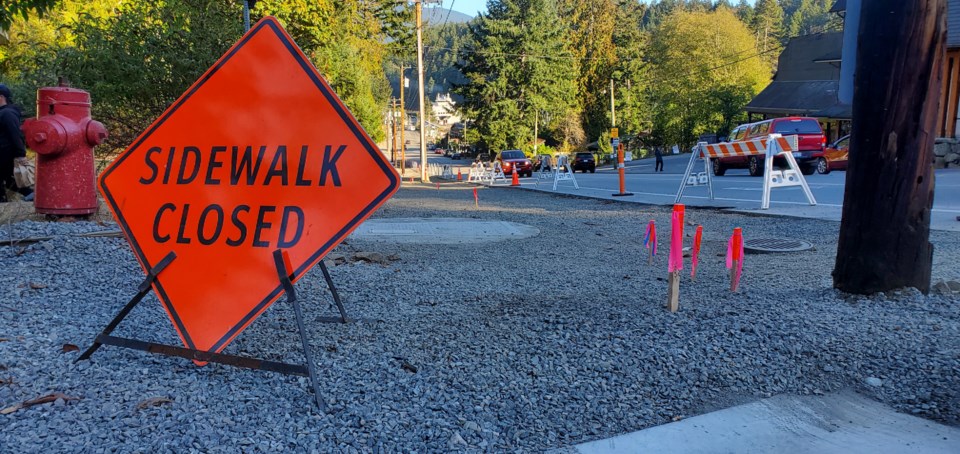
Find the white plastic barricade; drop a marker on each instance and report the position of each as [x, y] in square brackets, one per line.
[545, 169]
[496, 173]
[477, 172]
[772, 146]
[447, 172]
[563, 171]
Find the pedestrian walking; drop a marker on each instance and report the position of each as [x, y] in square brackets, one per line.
[12, 149]
[658, 152]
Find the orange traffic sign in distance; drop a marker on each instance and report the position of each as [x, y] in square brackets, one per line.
[258, 154]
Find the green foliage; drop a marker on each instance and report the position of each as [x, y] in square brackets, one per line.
[139, 60]
[11, 10]
[812, 16]
[705, 67]
[518, 73]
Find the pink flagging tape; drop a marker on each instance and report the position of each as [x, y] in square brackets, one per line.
[675, 261]
[695, 256]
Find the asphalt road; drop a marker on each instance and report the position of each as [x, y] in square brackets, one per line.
[736, 190]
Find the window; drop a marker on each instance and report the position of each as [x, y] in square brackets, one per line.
[798, 126]
[512, 154]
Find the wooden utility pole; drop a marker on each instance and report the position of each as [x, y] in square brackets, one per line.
[885, 230]
[393, 129]
[403, 121]
[423, 109]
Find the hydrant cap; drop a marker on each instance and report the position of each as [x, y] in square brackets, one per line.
[45, 136]
[96, 133]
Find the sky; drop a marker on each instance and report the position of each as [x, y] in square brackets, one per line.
[471, 7]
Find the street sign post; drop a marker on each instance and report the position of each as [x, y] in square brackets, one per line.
[258, 156]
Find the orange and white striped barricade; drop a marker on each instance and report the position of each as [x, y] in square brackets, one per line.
[771, 146]
[563, 171]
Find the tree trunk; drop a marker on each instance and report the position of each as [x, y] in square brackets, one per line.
[885, 230]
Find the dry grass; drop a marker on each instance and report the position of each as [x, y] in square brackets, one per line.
[17, 210]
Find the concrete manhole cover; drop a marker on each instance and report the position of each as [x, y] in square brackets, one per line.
[768, 245]
[441, 230]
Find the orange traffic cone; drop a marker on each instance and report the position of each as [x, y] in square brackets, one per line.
[516, 179]
[459, 175]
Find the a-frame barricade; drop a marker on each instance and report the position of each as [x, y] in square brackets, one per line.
[199, 356]
[772, 146]
[544, 169]
[563, 171]
[496, 173]
[477, 172]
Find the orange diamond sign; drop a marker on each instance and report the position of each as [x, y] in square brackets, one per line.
[258, 155]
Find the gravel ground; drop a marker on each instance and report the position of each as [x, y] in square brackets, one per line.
[515, 346]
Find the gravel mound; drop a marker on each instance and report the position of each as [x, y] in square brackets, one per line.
[519, 345]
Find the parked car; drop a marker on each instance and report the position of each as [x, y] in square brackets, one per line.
[835, 156]
[515, 159]
[438, 150]
[810, 140]
[484, 158]
[456, 156]
[584, 161]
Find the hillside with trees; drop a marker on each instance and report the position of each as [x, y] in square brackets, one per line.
[524, 69]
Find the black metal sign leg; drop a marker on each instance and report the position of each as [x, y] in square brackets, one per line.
[142, 291]
[284, 275]
[333, 290]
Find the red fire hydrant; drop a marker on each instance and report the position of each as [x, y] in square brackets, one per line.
[63, 136]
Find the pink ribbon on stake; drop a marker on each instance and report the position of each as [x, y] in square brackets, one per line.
[675, 261]
[476, 198]
[650, 240]
[697, 239]
[735, 254]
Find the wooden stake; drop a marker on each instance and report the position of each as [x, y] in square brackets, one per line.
[734, 282]
[673, 291]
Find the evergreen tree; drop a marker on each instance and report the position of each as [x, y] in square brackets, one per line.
[812, 16]
[519, 72]
[767, 26]
[744, 12]
[591, 40]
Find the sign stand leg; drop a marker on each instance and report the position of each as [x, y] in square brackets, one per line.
[104, 338]
[142, 291]
[284, 274]
[336, 295]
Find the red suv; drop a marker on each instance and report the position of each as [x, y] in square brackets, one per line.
[810, 141]
[510, 159]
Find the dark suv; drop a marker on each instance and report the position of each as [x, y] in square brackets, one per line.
[810, 141]
[584, 162]
[510, 159]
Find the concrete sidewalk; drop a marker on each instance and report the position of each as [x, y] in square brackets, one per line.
[842, 422]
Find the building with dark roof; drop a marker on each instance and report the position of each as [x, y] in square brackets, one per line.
[806, 83]
[808, 78]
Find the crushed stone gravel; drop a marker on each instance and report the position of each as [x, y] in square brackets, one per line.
[517, 345]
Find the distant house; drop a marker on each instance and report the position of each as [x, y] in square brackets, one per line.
[808, 79]
[445, 110]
